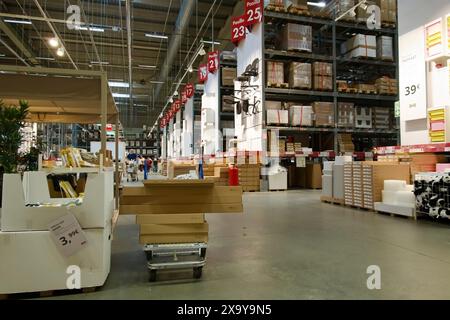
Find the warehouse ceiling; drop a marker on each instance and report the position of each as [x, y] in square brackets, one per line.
[163, 38]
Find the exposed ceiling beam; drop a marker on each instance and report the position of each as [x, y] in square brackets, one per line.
[18, 42]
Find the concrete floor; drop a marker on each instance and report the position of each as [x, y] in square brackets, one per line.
[289, 245]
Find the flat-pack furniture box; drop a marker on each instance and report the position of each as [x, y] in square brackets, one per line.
[297, 37]
[323, 114]
[386, 86]
[358, 195]
[388, 11]
[273, 105]
[381, 118]
[301, 116]
[338, 182]
[363, 118]
[275, 73]
[339, 8]
[31, 262]
[323, 83]
[228, 76]
[249, 177]
[322, 69]
[300, 75]
[177, 168]
[95, 211]
[277, 117]
[313, 176]
[278, 180]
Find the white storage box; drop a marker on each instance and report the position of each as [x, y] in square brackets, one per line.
[327, 186]
[301, 116]
[395, 209]
[278, 178]
[338, 181]
[31, 262]
[95, 211]
[277, 117]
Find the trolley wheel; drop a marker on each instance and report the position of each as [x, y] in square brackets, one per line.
[203, 252]
[152, 277]
[198, 272]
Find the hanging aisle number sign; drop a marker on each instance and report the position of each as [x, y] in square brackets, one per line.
[184, 97]
[203, 73]
[177, 105]
[238, 31]
[253, 12]
[189, 90]
[213, 61]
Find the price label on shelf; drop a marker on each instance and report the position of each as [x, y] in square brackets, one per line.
[300, 162]
[253, 12]
[238, 28]
[67, 234]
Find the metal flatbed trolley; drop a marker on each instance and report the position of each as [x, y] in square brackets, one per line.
[175, 256]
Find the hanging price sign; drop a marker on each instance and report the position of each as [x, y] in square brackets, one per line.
[203, 73]
[67, 234]
[213, 61]
[189, 90]
[253, 12]
[184, 97]
[238, 31]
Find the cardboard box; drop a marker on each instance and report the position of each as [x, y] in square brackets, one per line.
[346, 114]
[275, 72]
[301, 116]
[340, 7]
[297, 37]
[385, 48]
[323, 69]
[228, 76]
[323, 83]
[313, 176]
[278, 117]
[300, 75]
[273, 105]
[323, 114]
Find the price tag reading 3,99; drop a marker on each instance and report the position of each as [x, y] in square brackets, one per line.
[253, 12]
[67, 234]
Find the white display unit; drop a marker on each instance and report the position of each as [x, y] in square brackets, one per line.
[31, 261]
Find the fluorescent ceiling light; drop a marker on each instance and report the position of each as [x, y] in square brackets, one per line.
[120, 95]
[157, 36]
[211, 42]
[157, 82]
[94, 29]
[317, 4]
[118, 84]
[2, 55]
[146, 66]
[53, 42]
[45, 58]
[17, 21]
[100, 62]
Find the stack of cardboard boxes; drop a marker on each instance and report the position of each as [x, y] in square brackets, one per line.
[323, 76]
[385, 48]
[249, 177]
[358, 196]
[300, 75]
[381, 118]
[363, 118]
[348, 183]
[387, 86]
[301, 116]
[275, 73]
[388, 11]
[346, 114]
[297, 37]
[228, 76]
[345, 143]
[360, 45]
[324, 114]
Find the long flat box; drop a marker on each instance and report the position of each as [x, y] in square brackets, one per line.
[155, 229]
[31, 262]
[173, 238]
[338, 181]
[398, 210]
[171, 218]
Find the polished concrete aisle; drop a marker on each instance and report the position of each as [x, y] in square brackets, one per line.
[291, 246]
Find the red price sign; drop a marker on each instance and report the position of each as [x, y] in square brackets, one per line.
[238, 31]
[189, 90]
[203, 73]
[184, 97]
[109, 127]
[213, 61]
[253, 12]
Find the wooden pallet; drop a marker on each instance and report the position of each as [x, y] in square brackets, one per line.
[331, 200]
[277, 190]
[390, 25]
[396, 215]
[323, 90]
[278, 85]
[46, 294]
[348, 90]
[301, 88]
[367, 92]
[276, 8]
[301, 11]
[295, 50]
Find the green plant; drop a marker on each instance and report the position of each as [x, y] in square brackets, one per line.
[12, 120]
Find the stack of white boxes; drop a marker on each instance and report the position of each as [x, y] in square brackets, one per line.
[31, 260]
[327, 179]
[339, 175]
[363, 118]
[348, 183]
[358, 196]
[367, 181]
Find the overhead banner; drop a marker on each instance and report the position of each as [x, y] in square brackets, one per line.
[189, 90]
[203, 73]
[253, 12]
[238, 26]
[213, 61]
